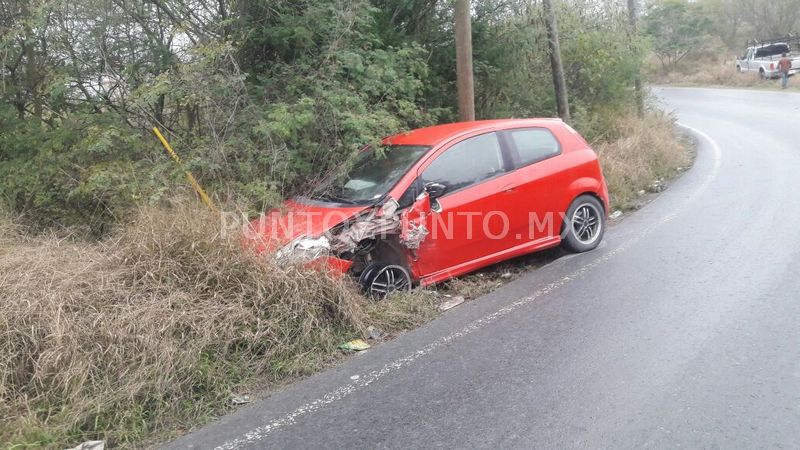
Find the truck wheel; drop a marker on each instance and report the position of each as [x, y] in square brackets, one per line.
[762, 74]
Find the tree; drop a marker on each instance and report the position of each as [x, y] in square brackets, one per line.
[637, 82]
[676, 28]
[262, 98]
[559, 85]
[772, 18]
[466, 92]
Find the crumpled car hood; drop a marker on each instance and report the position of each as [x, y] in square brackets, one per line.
[295, 219]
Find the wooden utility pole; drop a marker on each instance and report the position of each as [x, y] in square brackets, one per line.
[560, 86]
[464, 84]
[637, 82]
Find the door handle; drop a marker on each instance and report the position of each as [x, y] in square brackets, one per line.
[510, 189]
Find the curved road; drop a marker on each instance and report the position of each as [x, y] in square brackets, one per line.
[681, 330]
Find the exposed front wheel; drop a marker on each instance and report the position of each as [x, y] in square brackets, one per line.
[379, 280]
[584, 224]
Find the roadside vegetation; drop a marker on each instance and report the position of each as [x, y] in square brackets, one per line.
[126, 314]
[160, 324]
[156, 326]
[717, 71]
[643, 155]
[697, 43]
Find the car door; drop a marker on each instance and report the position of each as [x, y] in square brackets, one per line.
[543, 181]
[466, 223]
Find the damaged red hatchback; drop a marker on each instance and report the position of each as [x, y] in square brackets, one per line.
[438, 202]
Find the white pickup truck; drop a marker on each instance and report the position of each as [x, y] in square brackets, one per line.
[763, 57]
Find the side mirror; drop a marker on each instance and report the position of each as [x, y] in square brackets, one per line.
[435, 190]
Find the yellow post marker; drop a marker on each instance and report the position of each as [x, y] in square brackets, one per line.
[203, 196]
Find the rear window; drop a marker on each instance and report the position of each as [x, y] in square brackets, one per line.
[534, 144]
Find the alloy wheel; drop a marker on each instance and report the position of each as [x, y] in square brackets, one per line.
[381, 281]
[586, 223]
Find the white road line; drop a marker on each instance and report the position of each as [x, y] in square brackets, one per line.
[363, 381]
[717, 155]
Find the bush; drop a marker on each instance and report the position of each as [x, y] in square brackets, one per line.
[721, 73]
[87, 173]
[645, 151]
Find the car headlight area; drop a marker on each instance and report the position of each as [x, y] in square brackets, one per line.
[304, 249]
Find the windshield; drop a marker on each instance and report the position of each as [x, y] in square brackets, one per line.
[370, 176]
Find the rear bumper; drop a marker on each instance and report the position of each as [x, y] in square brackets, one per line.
[777, 73]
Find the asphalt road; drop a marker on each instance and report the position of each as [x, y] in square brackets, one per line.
[681, 330]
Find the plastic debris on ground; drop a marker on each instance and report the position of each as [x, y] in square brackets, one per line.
[374, 333]
[237, 400]
[615, 215]
[452, 303]
[657, 186]
[356, 345]
[90, 445]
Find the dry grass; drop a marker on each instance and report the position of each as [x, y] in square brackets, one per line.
[403, 311]
[9, 231]
[713, 74]
[648, 150]
[716, 73]
[148, 332]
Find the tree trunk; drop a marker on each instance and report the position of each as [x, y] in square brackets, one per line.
[158, 109]
[32, 76]
[19, 103]
[223, 15]
[464, 83]
[560, 86]
[637, 81]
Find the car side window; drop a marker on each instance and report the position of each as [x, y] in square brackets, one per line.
[466, 163]
[534, 144]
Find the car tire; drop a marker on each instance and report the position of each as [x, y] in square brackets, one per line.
[584, 224]
[379, 280]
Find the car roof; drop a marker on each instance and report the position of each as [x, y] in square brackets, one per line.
[440, 133]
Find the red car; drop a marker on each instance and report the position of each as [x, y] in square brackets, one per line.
[438, 202]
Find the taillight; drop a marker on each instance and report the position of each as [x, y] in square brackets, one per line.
[771, 66]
